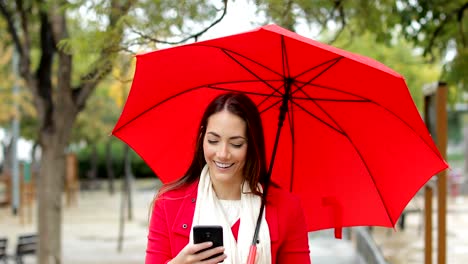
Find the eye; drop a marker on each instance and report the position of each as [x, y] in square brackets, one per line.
[212, 141]
[237, 145]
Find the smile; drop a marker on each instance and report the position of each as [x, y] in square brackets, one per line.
[223, 165]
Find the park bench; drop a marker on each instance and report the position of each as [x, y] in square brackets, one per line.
[3, 247]
[26, 245]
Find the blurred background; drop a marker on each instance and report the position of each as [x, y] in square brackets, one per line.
[66, 70]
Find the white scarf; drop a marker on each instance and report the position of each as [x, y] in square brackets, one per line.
[209, 211]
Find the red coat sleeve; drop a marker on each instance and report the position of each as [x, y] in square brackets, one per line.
[295, 247]
[158, 250]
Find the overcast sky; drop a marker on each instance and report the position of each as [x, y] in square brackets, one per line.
[241, 16]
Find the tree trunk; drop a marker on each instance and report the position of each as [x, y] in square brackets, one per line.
[110, 167]
[50, 186]
[34, 161]
[123, 201]
[128, 181]
[7, 158]
[94, 164]
[465, 142]
[92, 172]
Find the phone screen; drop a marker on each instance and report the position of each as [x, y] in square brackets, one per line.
[204, 233]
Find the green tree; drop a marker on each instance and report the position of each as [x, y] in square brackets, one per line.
[52, 38]
[95, 123]
[400, 56]
[439, 28]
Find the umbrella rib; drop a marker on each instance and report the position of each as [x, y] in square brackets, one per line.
[266, 96]
[364, 100]
[318, 118]
[360, 156]
[291, 128]
[410, 127]
[329, 88]
[271, 95]
[323, 110]
[156, 105]
[332, 100]
[318, 75]
[357, 150]
[284, 58]
[269, 107]
[334, 60]
[372, 178]
[225, 50]
[209, 86]
[252, 81]
[245, 92]
[250, 71]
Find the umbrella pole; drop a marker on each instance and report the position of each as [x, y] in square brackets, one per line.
[282, 116]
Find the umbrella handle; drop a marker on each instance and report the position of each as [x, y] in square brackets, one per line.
[252, 254]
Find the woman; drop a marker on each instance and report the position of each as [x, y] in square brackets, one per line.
[223, 186]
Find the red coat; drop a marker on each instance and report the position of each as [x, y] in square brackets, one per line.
[171, 222]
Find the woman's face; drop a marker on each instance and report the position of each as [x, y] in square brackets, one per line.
[225, 147]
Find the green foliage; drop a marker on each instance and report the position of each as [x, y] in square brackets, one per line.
[96, 121]
[399, 56]
[103, 108]
[170, 20]
[139, 167]
[438, 27]
[456, 73]
[454, 122]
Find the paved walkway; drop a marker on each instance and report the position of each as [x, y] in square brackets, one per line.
[90, 231]
[91, 228]
[407, 246]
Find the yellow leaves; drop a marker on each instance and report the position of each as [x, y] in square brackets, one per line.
[12, 104]
[120, 82]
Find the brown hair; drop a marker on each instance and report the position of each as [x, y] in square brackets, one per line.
[255, 165]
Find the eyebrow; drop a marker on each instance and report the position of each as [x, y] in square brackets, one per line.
[234, 137]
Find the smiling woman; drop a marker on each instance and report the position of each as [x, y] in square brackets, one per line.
[223, 186]
[225, 149]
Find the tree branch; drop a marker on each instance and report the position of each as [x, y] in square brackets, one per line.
[339, 5]
[460, 15]
[44, 72]
[336, 6]
[24, 25]
[286, 15]
[11, 26]
[23, 48]
[194, 36]
[104, 63]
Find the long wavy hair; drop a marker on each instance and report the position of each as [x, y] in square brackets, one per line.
[254, 170]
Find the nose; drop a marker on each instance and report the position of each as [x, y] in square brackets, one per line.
[223, 152]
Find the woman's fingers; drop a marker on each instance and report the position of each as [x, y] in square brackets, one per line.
[191, 254]
[194, 248]
[209, 253]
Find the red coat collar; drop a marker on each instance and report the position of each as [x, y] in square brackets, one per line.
[188, 194]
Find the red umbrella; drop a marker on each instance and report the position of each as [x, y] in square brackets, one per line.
[352, 146]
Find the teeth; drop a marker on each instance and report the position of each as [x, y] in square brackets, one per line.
[223, 165]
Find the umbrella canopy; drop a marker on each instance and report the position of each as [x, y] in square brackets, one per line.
[353, 146]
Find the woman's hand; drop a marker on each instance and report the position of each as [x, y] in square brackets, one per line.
[189, 255]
